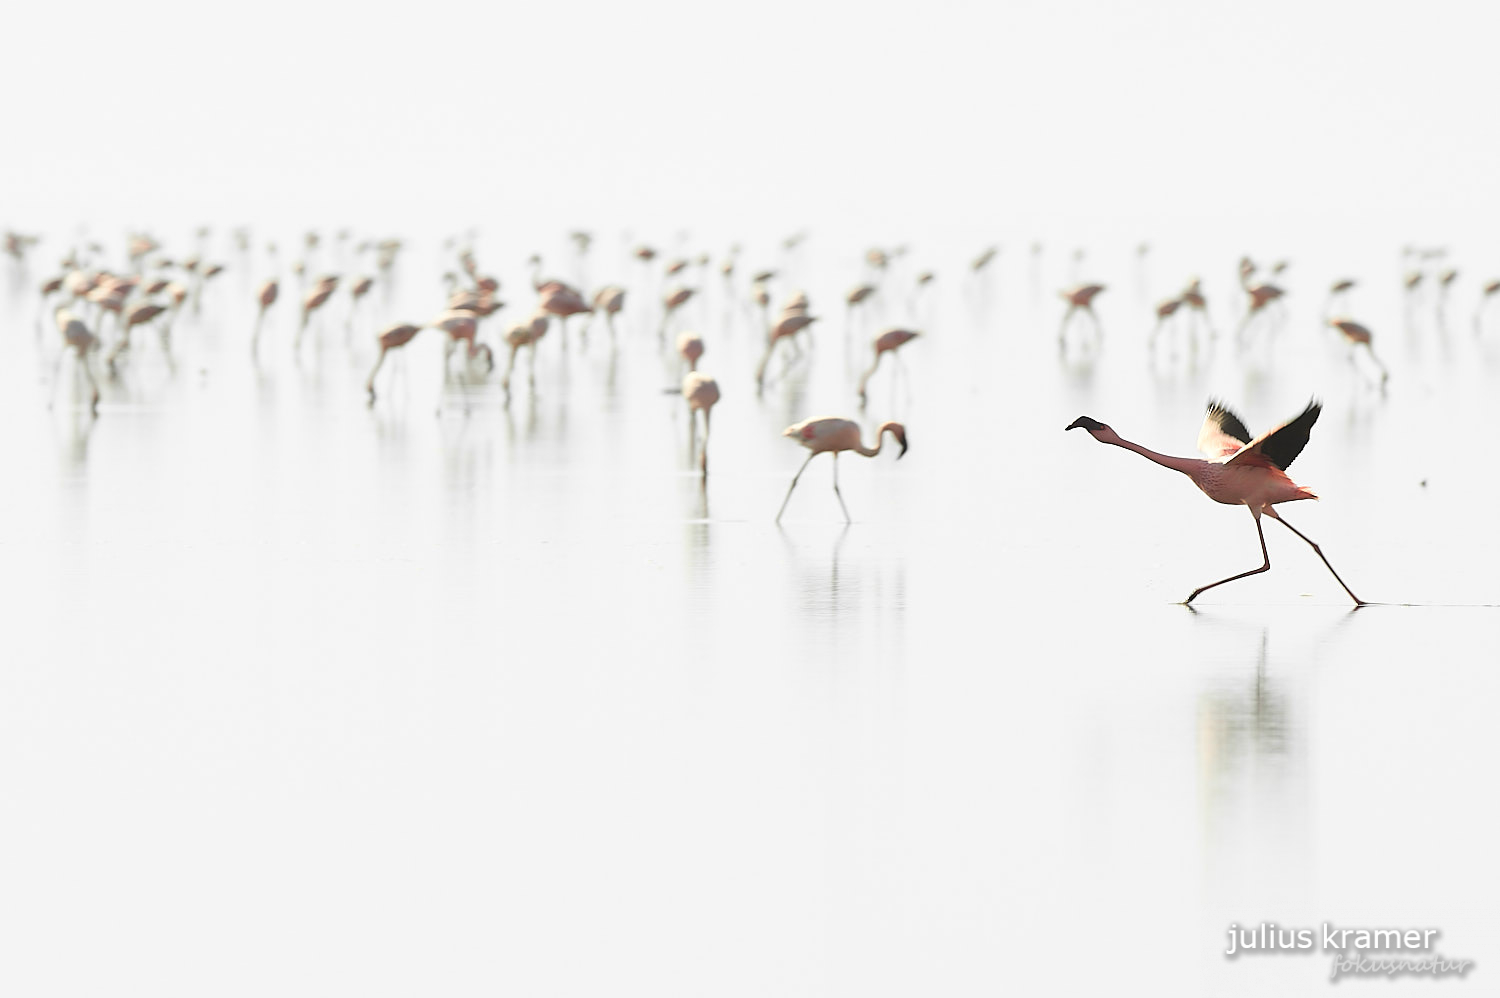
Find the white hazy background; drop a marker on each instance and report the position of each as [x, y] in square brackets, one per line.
[314, 712]
[1091, 116]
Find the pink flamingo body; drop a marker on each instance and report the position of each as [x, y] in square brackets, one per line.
[390, 338]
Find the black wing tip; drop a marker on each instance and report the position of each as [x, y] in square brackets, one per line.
[1229, 424]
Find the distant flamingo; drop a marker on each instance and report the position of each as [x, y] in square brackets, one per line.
[390, 338]
[1240, 471]
[137, 315]
[562, 302]
[76, 337]
[1338, 292]
[785, 329]
[670, 303]
[1080, 298]
[887, 342]
[1356, 335]
[312, 301]
[609, 300]
[523, 334]
[701, 393]
[690, 346]
[266, 297]
[835, 435]
[1164, 311]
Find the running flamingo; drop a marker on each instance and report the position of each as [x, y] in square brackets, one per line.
[833, 435]
[1240, 471]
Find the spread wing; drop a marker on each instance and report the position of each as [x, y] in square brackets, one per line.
[1223, 434]
[1281, 445]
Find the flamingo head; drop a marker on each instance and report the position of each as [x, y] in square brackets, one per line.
[1099, 431]
[899, 432]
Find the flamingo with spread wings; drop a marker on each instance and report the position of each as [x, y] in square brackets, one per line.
[1241, 470]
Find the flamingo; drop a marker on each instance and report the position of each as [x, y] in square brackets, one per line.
[983, 259]
[1357, 335]
[609, 300]
[1080, 298]
[690, 346]
[702, 393]
[1164, 311]
[1338, 292]
[76, 337]
[313, 301]
[389, 338]
[671, 302]
[887, 342]
[137, 315]
[1240, 470]
[562, 301]
[834, 435]
[357, 291]
[523, 334]
[266, 296]
[788, 327]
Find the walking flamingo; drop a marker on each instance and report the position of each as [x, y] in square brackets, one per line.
[835, 435]
[1240, 471]
[389, 338]
[887, 342]
[701, 393]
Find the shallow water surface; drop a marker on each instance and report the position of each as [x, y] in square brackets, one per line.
[309, 697]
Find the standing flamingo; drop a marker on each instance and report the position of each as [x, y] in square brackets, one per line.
[690, 346]
[701, 393]
[787, 328]
[1080, 298]
[670, 303]
[1356, 335]
[1240, 471]
[887, 342]
[834, 435]
[76, 337]
[312, 301]
[266, 297]
[1486, 295]
[389, 338]
[609, 299]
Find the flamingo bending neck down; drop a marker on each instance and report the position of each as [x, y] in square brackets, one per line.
[1240, 471]
[834, 435]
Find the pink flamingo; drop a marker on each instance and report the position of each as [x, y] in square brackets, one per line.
[887, 342]
[609, 300]
[701, 393]
[76, 337]
[389, 338]
[266, 297]
[690, 346]
[137, 315]
[523, 334]
[1240, 471]
[1486, 295]
[1356, 335]
[834, 435]
[785, 329]
[1080, 298]
[314, 300]
[562, 301]
[673, 300]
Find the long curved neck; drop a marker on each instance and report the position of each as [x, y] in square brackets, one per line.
[1186, 465]
[879, 443]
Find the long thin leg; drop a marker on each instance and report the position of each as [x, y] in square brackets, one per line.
[88, 373]
[847, 518]
[1356, 599]
[703, 456]
[794, 485]
[370, 381]
[1260, 531]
